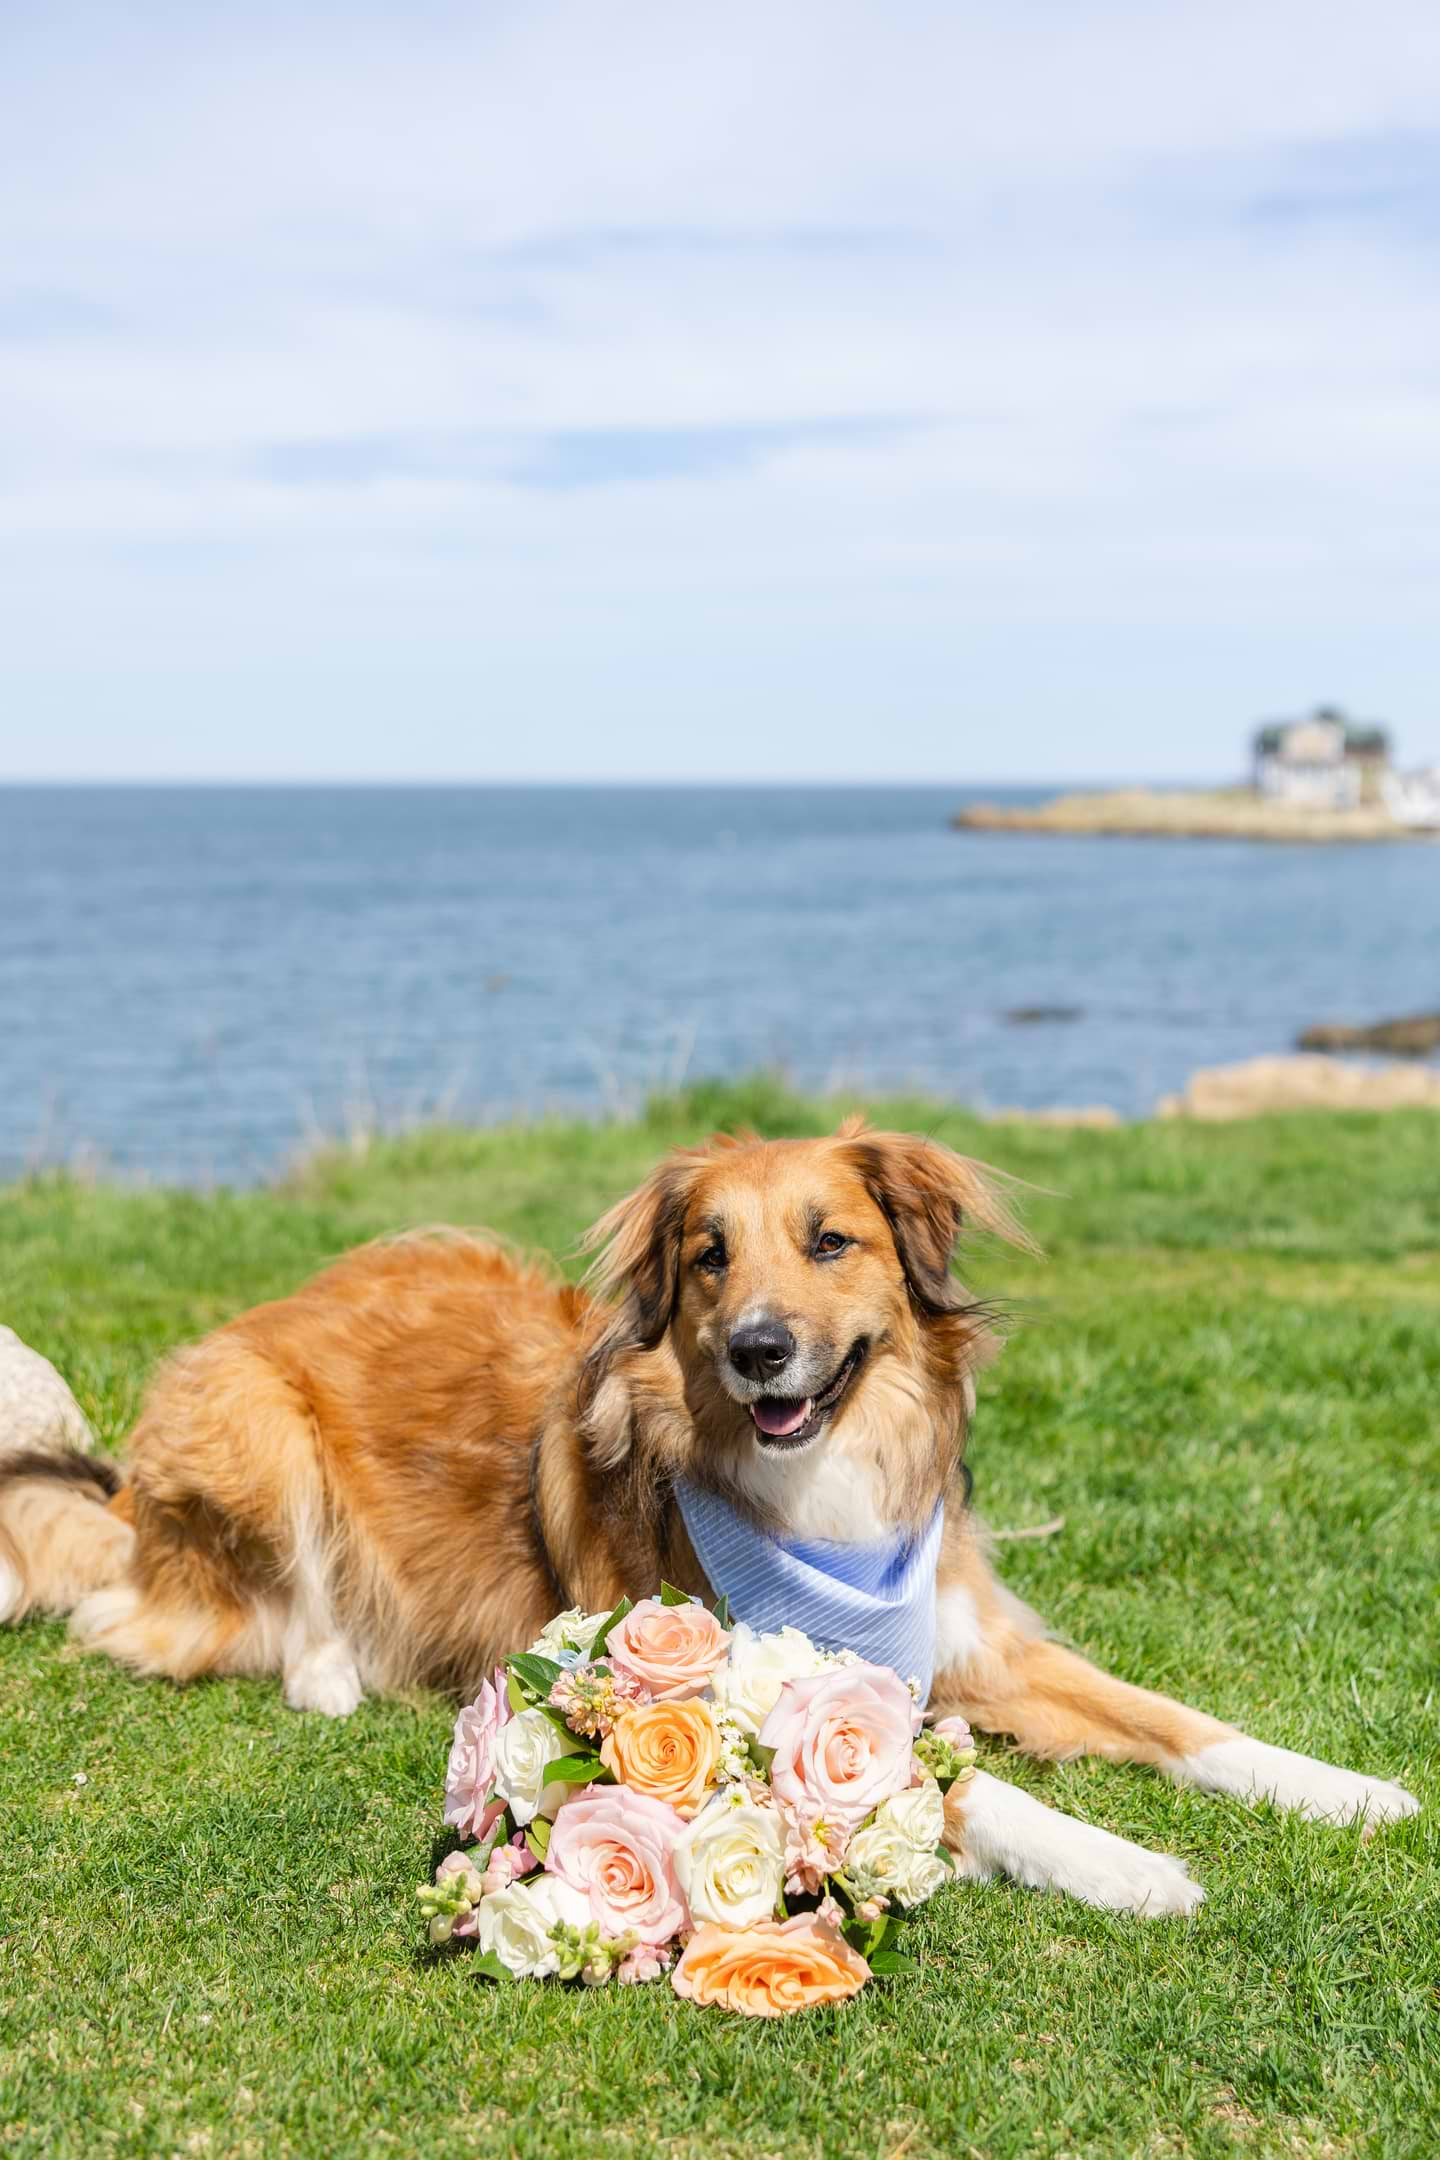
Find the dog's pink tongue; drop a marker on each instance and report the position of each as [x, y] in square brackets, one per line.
[780, 1418]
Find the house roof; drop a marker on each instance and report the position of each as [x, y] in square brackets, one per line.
[1362, 738]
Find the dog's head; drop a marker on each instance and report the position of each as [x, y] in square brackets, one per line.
[802, 1289]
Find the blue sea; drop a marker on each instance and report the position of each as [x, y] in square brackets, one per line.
[197, 982]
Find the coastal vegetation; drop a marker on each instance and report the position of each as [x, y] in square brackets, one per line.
[1222, 1378]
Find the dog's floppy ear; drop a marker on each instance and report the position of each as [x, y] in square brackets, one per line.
[929, 1195]
[637, 1245]
[638, 1252]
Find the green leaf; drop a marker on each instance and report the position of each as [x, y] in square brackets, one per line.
[515, 1694]
[722, 1610]
[557, 1719]
[575, 1770]
[602, 1633]
[880, 1932]
[537, 1836]
[669, 1595]
[484, 1965]
[536, 1674]
[893, 1961]
[943, 1852]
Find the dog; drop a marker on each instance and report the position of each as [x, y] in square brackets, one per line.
[399, 1473]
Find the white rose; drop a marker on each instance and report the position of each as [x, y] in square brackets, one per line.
[574, 1629]
[919, 1814]
[524, 1751]
[730, 1864]
[897, 1850]
[515, 1924]
[748, 1684]
[925, 1874]
[876, 1856]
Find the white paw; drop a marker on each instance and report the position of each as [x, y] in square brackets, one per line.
[1130, 1878]
[12, 1590]
[324, 1679]
[102, 1611]
[1253, 1770]
[1007, 1832]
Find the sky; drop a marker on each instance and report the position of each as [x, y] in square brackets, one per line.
[884, 392]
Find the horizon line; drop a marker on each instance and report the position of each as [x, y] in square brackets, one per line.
[598, 783]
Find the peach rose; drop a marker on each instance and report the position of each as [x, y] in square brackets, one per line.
[666, 1749]
[842, 1742]
[771, 1968]
[671, 1649]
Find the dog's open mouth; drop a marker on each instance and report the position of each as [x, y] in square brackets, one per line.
[788, 1421]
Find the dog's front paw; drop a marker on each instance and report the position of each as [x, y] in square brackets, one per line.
[997, 1829]
[324, 1679]
[1253, 1770]
[1120, 1877]
[1111, 1873]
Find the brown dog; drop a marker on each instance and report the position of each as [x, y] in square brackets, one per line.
[402, 1471]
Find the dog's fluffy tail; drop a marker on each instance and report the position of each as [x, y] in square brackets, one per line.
[64, 1528]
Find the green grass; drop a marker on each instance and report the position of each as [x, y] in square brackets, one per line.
[1225, 1377]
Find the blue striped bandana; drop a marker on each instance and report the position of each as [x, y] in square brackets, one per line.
[878, 1600]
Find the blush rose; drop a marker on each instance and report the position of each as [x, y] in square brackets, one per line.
[842, 1741]
[617, 1846]
[670, 1649]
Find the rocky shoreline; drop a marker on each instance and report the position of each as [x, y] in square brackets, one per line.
[1415, 1036]
[1216, 814]
[1262, 1087]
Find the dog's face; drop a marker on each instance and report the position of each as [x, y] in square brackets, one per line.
[788, 1276]
[802, 1286]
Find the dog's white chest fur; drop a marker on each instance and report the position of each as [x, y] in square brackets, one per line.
[821, 1495]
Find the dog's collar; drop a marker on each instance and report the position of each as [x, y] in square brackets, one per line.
[876, 1599]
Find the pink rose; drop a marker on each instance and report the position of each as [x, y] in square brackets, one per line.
[670, 1649]
[842, 1743]
[615, 1845]
[470, 1772]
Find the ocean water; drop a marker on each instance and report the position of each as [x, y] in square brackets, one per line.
[196, 981]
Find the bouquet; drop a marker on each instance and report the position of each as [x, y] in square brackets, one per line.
[654, 1792]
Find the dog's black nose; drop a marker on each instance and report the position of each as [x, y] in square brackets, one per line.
[762, 1350]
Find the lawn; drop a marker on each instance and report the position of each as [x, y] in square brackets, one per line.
[1224, 1376]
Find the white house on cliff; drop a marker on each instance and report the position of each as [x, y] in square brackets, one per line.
[1323, 762]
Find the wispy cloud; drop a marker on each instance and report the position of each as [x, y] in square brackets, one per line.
[35, 312]
[1044, 362]
[1382, 181]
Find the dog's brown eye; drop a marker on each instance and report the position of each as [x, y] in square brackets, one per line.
[714, 1257]
[829, 1244]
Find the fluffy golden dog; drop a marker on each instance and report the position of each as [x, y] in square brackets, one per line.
[403, 1470]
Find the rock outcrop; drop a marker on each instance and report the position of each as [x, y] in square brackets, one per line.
[1415, 1037]
[1199, 814]
[1219, 1093]
[37, 1409]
